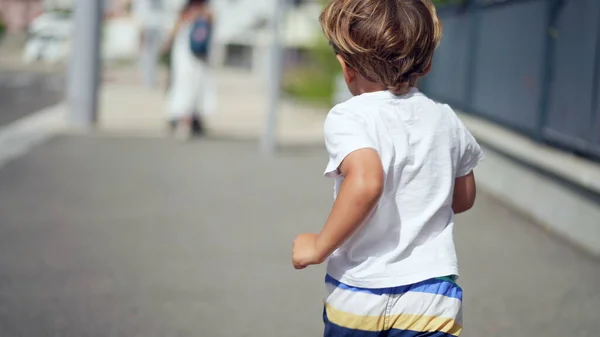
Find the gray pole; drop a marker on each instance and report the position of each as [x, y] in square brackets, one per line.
[84, 71]
[268, 140]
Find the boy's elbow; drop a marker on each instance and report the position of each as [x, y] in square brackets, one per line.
[463, 205]
[464, 195]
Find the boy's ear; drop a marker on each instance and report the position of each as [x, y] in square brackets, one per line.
[428, 69]
[349, 73]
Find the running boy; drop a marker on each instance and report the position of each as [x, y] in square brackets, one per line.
[403, 166]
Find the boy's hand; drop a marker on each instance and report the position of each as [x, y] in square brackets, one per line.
[304, 252]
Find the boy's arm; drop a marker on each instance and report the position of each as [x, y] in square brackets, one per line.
[465, 192]
[353, 155]
[359, 193]
[469, 156]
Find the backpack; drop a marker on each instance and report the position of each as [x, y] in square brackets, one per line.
[200, 38]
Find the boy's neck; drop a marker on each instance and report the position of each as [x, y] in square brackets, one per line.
[366, 87]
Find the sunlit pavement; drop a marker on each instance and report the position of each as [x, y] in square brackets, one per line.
[148, 237]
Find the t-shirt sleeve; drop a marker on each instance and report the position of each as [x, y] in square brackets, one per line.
[345, 132]
[470, 153]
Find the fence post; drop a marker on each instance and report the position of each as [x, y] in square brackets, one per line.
[547, 74]
[268, 141]
[84, 70]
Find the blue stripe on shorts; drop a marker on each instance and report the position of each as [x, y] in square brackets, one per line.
[432, 286]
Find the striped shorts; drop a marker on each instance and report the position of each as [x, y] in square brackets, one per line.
[430, 308]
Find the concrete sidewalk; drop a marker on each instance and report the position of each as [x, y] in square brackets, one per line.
[126, 106]
[147, 237]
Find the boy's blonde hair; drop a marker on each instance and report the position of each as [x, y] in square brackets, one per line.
[390, 42]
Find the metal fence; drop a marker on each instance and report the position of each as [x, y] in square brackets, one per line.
[530, 65]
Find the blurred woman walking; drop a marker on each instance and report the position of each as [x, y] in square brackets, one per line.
[189, 45]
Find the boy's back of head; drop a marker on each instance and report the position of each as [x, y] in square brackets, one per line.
[389, 42]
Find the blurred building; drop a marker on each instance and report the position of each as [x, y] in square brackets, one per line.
[242, 37]
[17, 14]
[243, 33]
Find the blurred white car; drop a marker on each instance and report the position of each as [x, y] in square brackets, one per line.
[49, 38]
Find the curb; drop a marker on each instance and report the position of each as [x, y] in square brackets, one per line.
[17, 138]
[528, 182]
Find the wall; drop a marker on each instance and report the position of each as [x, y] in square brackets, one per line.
[530, 65]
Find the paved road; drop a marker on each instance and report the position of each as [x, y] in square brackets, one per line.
[24, 92]
[146, 237]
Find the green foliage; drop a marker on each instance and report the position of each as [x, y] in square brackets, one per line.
[314, 80]
[165, 59]
[2, 27]
[63, 12]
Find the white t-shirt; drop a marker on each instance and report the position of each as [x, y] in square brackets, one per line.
[423, 147]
